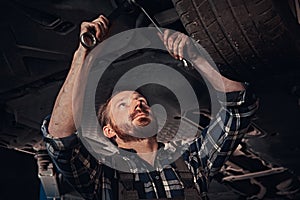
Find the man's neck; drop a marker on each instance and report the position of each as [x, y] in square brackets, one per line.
[145, 148]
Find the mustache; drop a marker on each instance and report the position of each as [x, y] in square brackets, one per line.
[135, 113]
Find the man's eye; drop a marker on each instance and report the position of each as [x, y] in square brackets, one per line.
[121, 105]
[143, 101]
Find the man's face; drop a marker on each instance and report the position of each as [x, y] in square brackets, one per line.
[131, 115]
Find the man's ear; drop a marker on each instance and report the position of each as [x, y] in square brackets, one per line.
[108, 131]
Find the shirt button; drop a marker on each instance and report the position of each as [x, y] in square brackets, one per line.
[157, 177]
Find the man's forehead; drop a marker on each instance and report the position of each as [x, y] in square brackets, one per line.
[125, 94]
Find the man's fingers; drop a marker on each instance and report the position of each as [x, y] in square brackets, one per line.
[170, 43]
[84, 27]
[102, 19]
[101, 26]
[182, 44]
[165, 39]
[176, 46]
[176, 43]
[93, 32]
[98, 30]
[101, 33]
[105, 20]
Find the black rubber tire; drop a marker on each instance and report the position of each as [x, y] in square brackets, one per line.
[244, 37]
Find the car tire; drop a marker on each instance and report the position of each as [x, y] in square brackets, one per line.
[245, 38]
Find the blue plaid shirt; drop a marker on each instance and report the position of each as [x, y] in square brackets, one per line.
[94, 180]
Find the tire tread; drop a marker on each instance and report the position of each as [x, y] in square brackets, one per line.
[239, 34]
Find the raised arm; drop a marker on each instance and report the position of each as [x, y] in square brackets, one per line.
[71, 158]
[62, 123]
[208, 153]
[177, 43]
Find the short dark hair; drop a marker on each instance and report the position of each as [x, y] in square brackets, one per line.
[103, 111]
[104, 119]
[103, 114]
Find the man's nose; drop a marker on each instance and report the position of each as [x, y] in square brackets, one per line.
[139, 105]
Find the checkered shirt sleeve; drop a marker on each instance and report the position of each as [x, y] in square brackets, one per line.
[74, 162]
[208, 153]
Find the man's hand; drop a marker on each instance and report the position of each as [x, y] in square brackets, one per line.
[180, 45]
[98, 28]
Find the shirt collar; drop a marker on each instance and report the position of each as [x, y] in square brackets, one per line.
[160, 145]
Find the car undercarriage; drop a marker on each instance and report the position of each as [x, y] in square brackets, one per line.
[257, 41]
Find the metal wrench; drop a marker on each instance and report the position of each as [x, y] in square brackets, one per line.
[89, 41]
[185, 63]
[148, 16]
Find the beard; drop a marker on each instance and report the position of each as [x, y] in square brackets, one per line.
[146, 128]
